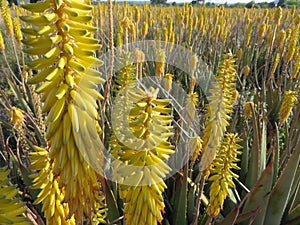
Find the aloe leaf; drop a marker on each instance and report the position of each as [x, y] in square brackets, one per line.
[276, 156]
[281, 192]
[263, 146]
[231, 217]
[259, 195]
[112, 207]
[294, 216]
[295, 192]
[181, 201]
[30, 99]
[245, 155]
[254, 162]
[18, 95]
[191, 203]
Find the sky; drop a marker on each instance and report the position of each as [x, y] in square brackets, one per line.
[224, 1]
[214, 1]
[235, 1]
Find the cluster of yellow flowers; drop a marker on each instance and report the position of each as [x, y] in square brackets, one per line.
[61, 33]
[11, 209]
[62, 38]
[140, 146]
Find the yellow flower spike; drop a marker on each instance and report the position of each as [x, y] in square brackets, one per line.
[267, 13]
[126, 22]
[270, 37]
[165, 35]
[278, 16]
[125, 75]
[158, 33]
[160, 62]
[219, 109]
[294, 9]
[236, 95]
[297, 20]
[193, 64]
[190, 30]
[249, 106]
[296, 67]
[195, 144]
[292, 44]
[51, 195]
[139, 58]
[12, 209]
[191, 103]
[17, 117]
[280, 39]
[275, 64]
[239, 54]
[62, 36]
[120, 34]
[18, 32]
[221, 173]
[142, 202]
[248, 32]
[101, 212]
[2, 45]
[152, 22]
[137, 15]
[132, 30]
[168, 81]
[172, 41]
[246, 71]
[6, 15]
[288, 33]
[148, 120]
[261, 32]
[287, 104]
[145, 28]
[170, 26]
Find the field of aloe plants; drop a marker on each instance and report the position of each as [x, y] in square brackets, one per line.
[142, 115]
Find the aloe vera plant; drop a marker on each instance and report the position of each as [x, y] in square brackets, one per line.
[243, 145]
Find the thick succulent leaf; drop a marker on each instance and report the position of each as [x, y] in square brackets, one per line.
[280, 194]
[181, 201]
[294, 216]
[259, 194]
[111, 202]
[231, 217]
[258, 151]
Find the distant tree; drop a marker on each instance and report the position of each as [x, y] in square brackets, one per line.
[281, 3]
[161, 2]
[196, 2]
[293, 2]
[272, 5]
[210, 4]
[249, 5]
[225, 5]
[263, 5]
[238, 5]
